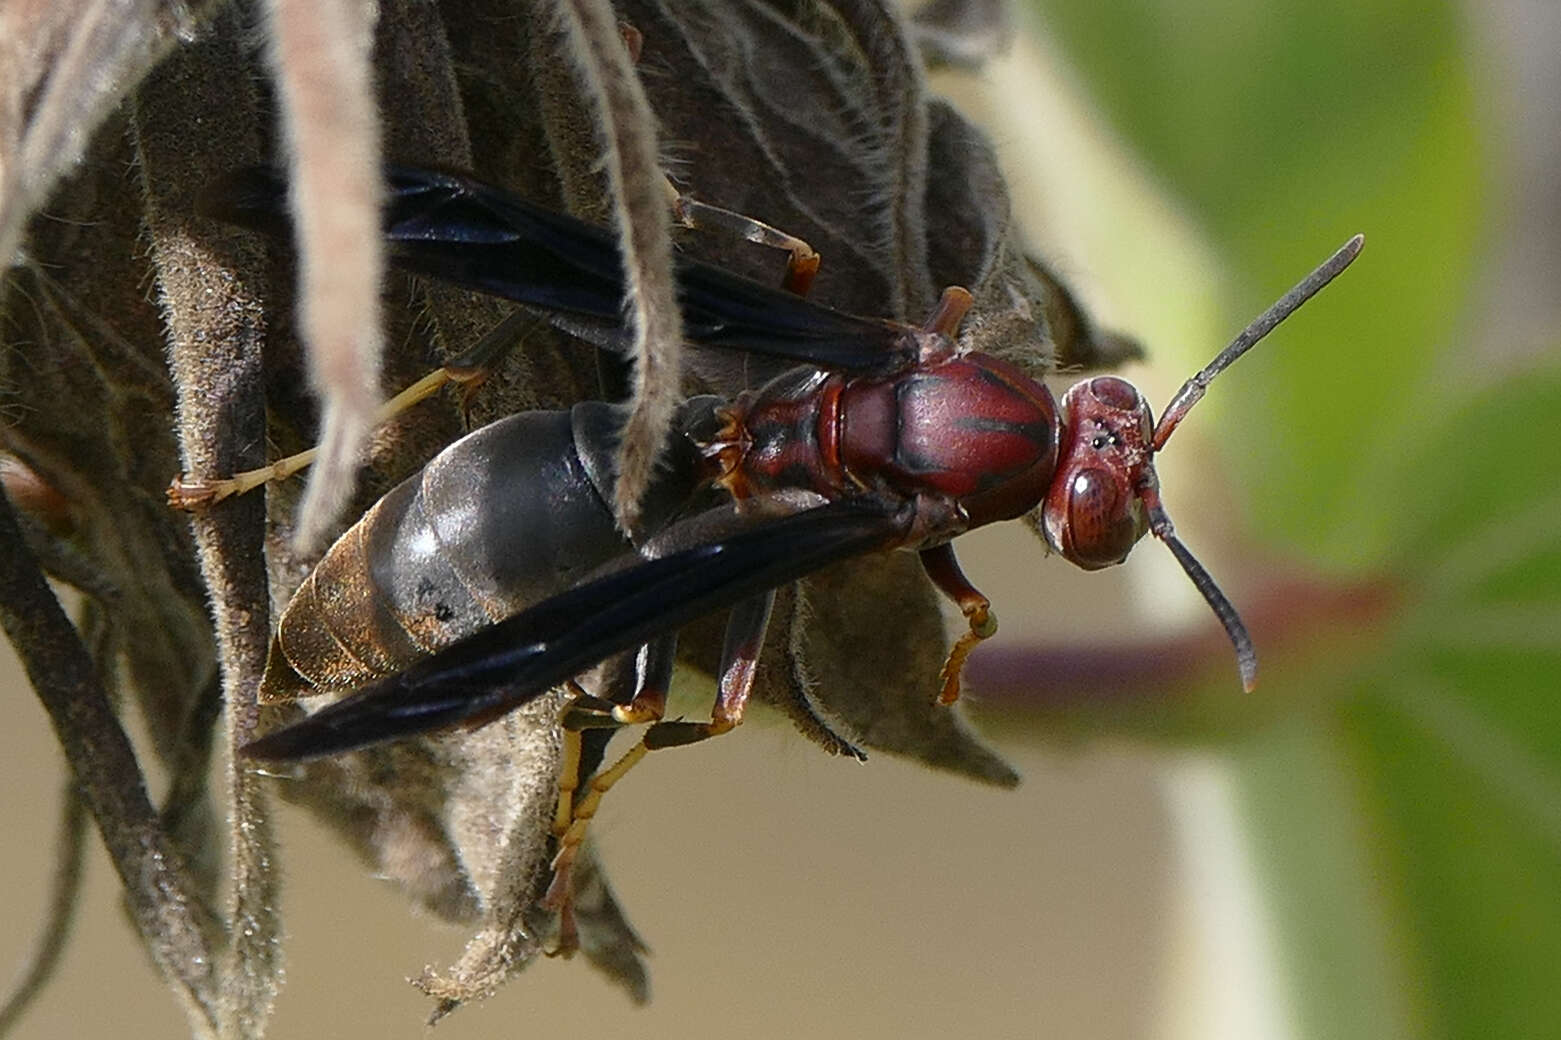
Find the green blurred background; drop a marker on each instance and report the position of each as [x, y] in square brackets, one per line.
[1368, 846]
[1389, 469]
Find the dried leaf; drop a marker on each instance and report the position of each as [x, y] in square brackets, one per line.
[627, 147]
[209, 279]
[38, 968]
[963, 33]
[64, 66]
[320, 52]
[811, 117]
[174, 925]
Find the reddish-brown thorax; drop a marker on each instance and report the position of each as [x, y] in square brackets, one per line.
[973, 429]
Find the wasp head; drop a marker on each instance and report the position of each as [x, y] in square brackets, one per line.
[1094, 512]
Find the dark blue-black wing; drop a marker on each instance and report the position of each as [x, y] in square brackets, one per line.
[521, 657]
[470, 234]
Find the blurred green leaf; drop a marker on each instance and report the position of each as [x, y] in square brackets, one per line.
[1460, 740]
[1288, 126]
[1450, 736]
[1466, 828]
[1400, 774]
[1300, 796]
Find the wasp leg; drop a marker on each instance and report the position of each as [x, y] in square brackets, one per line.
[943, 568]
[653, 677]
[468, 370]
[560, 892]
[745, 630]
[587, 719]
[694, 215]
[652, 668]
[801, 265]
[189, 494]
[472, 367]
[570, 768]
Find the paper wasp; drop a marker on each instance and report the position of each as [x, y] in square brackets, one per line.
[498, 573]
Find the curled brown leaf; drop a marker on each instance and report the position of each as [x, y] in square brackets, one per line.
[814, 119]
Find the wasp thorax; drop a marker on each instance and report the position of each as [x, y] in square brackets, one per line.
[1093, 514]
[974, 428]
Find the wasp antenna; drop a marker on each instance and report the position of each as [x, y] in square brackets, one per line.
[1193, 390]
[1246, 655]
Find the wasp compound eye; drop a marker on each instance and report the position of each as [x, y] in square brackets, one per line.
[1101, 519]
[1114, 392]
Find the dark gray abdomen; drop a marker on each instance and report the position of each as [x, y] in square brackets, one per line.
[499, 520]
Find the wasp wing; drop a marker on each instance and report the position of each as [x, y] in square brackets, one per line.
[470, 234]
[523, 656]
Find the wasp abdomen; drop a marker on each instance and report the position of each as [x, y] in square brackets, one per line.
[501, 519]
